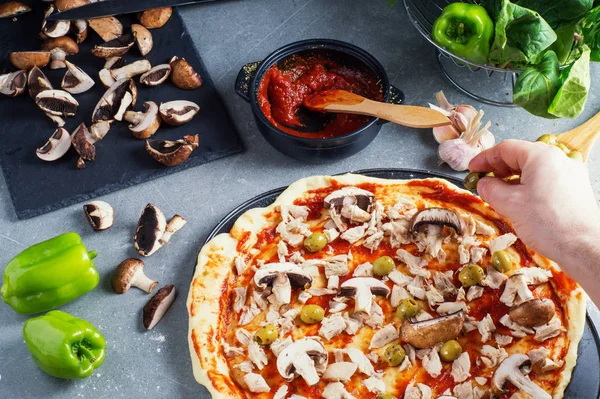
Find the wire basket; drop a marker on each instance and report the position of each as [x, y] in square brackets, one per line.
[462, 73]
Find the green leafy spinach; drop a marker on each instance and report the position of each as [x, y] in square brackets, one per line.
[572, 95]
[537, 86]
[557, 12]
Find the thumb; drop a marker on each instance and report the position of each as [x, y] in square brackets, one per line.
[498, 193]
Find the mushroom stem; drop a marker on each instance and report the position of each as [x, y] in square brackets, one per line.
[176, 223]
[306, 369]
[144, 283]
[133, 117]
[282, 289]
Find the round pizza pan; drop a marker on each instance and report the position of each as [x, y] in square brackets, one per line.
[585, 382]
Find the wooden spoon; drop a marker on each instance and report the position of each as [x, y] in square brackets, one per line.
[583, 137]
[342, 101]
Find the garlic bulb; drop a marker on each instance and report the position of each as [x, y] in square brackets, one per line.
[463, 140]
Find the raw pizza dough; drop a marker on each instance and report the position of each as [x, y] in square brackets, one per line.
[225, 366]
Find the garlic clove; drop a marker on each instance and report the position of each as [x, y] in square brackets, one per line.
[457, 154]
[443, 101]
[468, 111]
[486, 141]
[460, 121]
[445, 133]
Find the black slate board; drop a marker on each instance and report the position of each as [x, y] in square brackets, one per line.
[585, 381]
[37, 187]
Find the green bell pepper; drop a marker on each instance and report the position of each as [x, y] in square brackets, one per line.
[49, 274]
[63, 345]
[465, 30]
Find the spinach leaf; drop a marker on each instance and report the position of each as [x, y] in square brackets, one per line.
[556, 12]
[571, 97]
[521, 35]
[591, 32]
[565, 42]
[537, 85]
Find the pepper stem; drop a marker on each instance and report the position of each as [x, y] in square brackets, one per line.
[88, 353]
[92, 254]
[461, 29]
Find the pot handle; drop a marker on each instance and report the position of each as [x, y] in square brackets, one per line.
[245, 76]
[396, 96]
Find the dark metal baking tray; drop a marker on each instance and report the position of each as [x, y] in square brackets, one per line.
[585, 382]
[37, 187]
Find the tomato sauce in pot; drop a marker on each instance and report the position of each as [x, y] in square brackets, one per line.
[286, 84]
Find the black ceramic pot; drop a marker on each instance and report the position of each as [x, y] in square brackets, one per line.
[316, 150]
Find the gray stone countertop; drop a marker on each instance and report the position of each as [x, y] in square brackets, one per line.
[157, 364]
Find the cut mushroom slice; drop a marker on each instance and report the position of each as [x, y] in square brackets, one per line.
[362, 198]
[533, 313]
[60, 48]
[153, 232]
[54, 28]
[13, 84]
[143, 38]
[156, 76]
[171, 153]
[114, 62]
[108, 28]
[57, 102]
[29, 59]
[84, 145]
[13, 8]
[183, 74]
[75, 80]
[514, 369]
[106, 78]
[155, 18]
[158, 305]
[63, 5]
[144, 124]
[111, 102]
[305, 357]
[100, 215]
[99, 129]
[437, 216]
[115, 47]
[130, 273]
[362, 290]
[177, 113]
[131, 70]
[80, 26]
[37, 82]
[60, 122]
[428, 333]
[282, 277]
[123, 106]
[57, 145]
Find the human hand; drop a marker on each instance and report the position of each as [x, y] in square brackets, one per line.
[552, 207]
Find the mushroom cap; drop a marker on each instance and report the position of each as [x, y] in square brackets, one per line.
[299, 278]
[171, 153]
[125, 273]
[157, 75]
[100, 215]
[76, 81]
[143, 38]
[151, 227]
[108, 28]
[64, 43]
[14, 83]
[111, 100]
[428, 333]
[377, 287]
[156, 17]
[363, 199]
[13, 8]
[57, 102]
[63, 5]
[437, 216]
[533, 313]
[29, 59]
[147, 122]
[57, 145]
[289, 358]
[37, 82]
[177, 113]
[83, 144]
[115, 47]
[183, 75]
[158, 306]
[81, 30]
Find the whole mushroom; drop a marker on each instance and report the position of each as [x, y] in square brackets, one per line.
[60, 48]
[130, 273]
[29, 59]
[99, 214]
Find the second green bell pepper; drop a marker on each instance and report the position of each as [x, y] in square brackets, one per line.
[49, 274]
[63, 345]
[465, 30]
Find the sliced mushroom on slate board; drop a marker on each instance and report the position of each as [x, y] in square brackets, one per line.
[36, 186]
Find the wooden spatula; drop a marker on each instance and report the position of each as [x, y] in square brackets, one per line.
[583, 137]
[342, 101]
